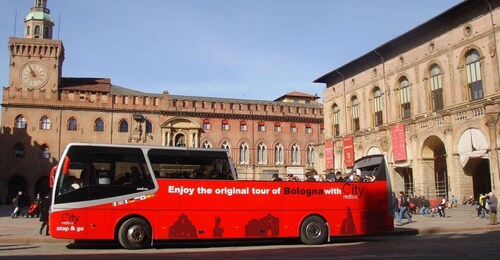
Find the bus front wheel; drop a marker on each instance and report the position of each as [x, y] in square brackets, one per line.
[134, 233]
[313, 231]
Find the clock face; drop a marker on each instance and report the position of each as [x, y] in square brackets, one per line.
[34, 75]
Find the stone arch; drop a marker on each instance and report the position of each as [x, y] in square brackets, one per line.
[434, 167]
[473, 150]
[373, 150]
[42, 185]
[181, 131]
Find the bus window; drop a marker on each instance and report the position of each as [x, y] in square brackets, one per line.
[94, 173]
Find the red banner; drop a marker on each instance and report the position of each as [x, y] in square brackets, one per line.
[348, 152]
[398, 143]
[329, 162]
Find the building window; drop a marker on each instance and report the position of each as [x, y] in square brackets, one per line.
[336, 120]
[278, 154]
[377, 94]
[28, 30]
[322, 129]
[20, 122]
[308, 129]
[206, 144]
[293, 128]
[243, 126]
[123, 126]
[206, 124]
[404, 90]
[37, 30]
[226, 146]
[436, 88]
[277, 127]
[295, 154]
[473, 69]
[45, 152]
[244, 153]
[72, 124]
[45, 123]
[98, 125]
[261, 126]
[355, 113]
[261, 154]
[46, 32]
[310, 154]
[19, 150]
[225, 125]
[149, 127]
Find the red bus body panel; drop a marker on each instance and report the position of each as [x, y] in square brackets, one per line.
[211, 209]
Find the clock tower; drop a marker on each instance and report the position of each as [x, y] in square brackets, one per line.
[36, 59]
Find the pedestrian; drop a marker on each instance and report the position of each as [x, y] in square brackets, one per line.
[424, 211]
[44, 213]
[441, 207]
[276, 177]
[395, 209]
[492, 202]
[404, 205]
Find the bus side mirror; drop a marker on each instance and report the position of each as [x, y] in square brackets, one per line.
[66, 165]
[51, 176]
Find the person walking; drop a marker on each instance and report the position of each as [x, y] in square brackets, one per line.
[492, 202]
[404, 208]
[395, 209]
[44, 214]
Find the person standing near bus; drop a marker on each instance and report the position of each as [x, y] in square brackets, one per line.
[276, 177]
[403, 208]
[44, 214]
[395, 209]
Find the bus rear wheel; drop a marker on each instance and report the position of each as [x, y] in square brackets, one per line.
[313, 231]
[134, 233]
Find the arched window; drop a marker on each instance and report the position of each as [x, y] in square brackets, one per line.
[149, 127]
[378, 109]
[308, 129]
[293, 128]
[310, 154]
[336, 120]
[20, 122]
[206, 144]
[37, 30]
[45, 152]
[404, 90]
[278, 154]
[226, 146]
[355, 113]
[244, 154]
[19, 150]
[46, 32]
[473, 69]
[99, 125]
[123, 126]
[28, 30]
[72, 124]
[261, 154]
[436, 87]
[45, 123]
[295, 154]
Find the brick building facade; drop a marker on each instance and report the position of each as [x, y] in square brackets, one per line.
[42, 112]
[429, 100]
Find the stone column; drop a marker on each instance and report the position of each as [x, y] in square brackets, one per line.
[491, 122]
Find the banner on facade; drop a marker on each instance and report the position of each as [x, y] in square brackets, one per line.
[398, 143]
[348, 152]
[329, 160]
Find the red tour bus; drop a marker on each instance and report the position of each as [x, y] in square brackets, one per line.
[140, 194]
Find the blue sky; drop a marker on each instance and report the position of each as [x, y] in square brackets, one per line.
[251, 49]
